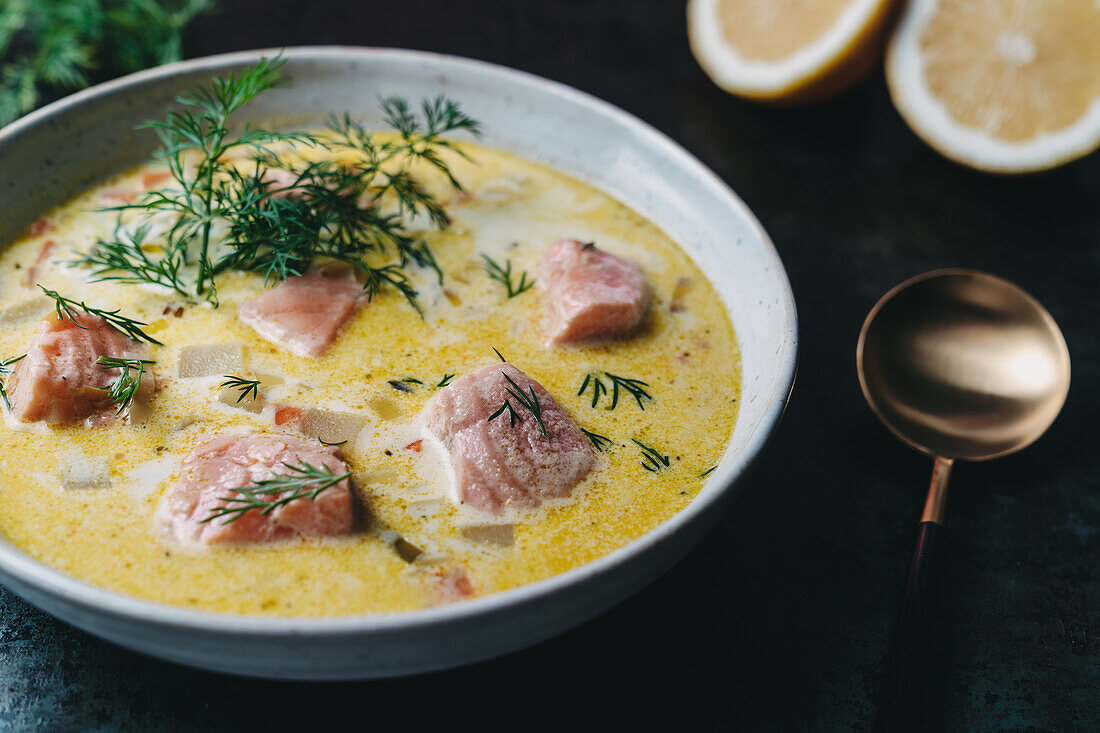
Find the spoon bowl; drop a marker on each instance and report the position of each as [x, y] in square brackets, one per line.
[963, 364]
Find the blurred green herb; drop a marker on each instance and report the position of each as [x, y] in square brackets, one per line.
[51, 47]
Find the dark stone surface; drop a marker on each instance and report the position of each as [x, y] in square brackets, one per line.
[779, 620]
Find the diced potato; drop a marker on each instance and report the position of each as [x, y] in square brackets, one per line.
[270, 380]
[407, 550]
[332, 427]
[385, 408]
[204, 360]
[139, 412]
[503, 535]
[83, 474]
[252, 401]
[425, 508]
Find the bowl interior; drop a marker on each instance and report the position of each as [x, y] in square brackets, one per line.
[50, 155]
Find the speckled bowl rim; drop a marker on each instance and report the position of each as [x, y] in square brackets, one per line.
[48, 580]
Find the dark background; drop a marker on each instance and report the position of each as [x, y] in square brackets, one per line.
[779, 620]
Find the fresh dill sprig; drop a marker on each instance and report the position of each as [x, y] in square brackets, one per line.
[303, 481]
[273, 216]
[503, 275]
[499, 355]
[338, 210]
[636, 388]
[196, 199]
[67, 308]
[246, 387]
[126, 385]
[708, 471]
[52, 46]
[445, 381]
[6, 368]
[599, 442]
[412, 380]
[652, 459]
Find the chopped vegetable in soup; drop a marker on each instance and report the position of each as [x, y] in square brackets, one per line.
[343, 371]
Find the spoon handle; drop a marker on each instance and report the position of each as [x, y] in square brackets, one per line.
[900, 705]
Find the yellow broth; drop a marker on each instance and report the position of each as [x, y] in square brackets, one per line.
[687, 352]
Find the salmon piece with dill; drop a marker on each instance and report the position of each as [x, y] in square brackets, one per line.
[64, 377]
[243, 489]
[509, 443]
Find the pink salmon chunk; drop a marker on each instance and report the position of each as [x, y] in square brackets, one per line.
[497, 464]
[59, 381]
[305, 313]
[590, 293]
[215, 469]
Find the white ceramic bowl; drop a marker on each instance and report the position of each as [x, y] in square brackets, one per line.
[55, 152]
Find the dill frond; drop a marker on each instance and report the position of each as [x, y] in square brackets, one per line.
[67, 309]
[503, 275]
[7, 366]
[126, 385]
[599, 442]
[246, 387]
[528, 400]
[302, 481]
[512, 416]
[636, 388]
[652, 459]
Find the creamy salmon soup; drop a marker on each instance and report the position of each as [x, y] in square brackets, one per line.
[348, 371]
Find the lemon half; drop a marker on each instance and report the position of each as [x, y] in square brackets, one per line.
[787, 50]
[1007, 86]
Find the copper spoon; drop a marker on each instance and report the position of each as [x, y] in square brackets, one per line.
[959, 364]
